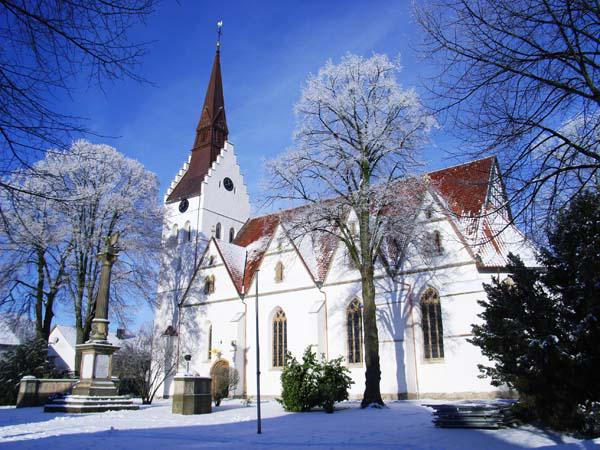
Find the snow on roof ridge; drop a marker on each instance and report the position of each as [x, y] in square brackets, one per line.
[462, 164]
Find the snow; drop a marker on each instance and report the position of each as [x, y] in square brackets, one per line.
[258, 247]
[404, 424]
[234, 257]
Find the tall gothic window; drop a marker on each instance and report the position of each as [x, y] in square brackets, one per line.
[231, 234]
[188, 231]
[354, 329]
[279, 272]
[209, 284]
[218, 231]
[174, 237]
[279, 338]
[431, 321]
[437, 243]
[209, 343]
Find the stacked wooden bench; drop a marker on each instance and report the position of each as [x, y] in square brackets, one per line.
[473, 415]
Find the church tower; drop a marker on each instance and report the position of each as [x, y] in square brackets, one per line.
[207, 198]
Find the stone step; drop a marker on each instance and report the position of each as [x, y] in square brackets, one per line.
[89, 404]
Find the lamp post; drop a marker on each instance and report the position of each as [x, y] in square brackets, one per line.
[258, 421]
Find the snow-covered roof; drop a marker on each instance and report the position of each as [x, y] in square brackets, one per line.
[464, 189]
[234, 258]
[7, 334]
[70, 335]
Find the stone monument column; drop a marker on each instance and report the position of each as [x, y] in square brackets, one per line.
[100, 322]
[95, 391]
[95, 374]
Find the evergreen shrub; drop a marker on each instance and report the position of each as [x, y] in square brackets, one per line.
[29, 358]
[312, 383]
[541, 329]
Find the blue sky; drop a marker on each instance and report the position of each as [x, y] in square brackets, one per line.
[268, 50]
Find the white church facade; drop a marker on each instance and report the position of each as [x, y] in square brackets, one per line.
[216, 260]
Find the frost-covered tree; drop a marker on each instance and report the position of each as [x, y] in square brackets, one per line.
[355, 150]
[521, 79]
[106, 192]
[540, 327]
[35, 245]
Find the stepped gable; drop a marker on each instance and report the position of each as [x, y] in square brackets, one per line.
[465, 186]
[211, 134]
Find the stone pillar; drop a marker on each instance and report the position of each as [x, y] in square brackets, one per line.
[191, 395]
[27, 395]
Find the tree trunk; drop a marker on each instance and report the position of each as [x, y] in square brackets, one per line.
[39, 296]
[372, 394]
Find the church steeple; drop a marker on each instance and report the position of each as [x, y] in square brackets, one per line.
[212, 127]
[211, 134]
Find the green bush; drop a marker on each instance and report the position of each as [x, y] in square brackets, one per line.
[29, 358]
[333, 383]
[313, 383]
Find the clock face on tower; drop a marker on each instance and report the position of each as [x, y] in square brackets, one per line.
[183, 205]
[228, 184]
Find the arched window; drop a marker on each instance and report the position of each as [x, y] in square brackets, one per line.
[209, 342]
[218, 231]
[354, 328]
[431, 322]
[279, 272]
[231, 234]
[209, 284]
[174, 237]
[437, 243]
[279, 338]
[188, 231]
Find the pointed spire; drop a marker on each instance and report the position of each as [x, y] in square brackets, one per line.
[211, 133]
[212, 128]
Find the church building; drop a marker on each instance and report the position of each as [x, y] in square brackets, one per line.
[216, 260]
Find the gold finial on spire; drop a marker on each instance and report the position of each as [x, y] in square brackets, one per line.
[219, 27]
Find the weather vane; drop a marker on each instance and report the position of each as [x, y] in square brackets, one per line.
[219, 27]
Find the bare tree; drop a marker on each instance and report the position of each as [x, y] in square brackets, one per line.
[144, 361]
[355, 148]
[46, 46]
[521, 78]
[108, 192]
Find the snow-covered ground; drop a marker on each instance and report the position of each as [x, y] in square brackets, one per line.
[403, 425]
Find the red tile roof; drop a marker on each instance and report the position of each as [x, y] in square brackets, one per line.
[255, 235]
[465, 186]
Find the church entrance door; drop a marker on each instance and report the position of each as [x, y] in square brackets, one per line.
[221, 379]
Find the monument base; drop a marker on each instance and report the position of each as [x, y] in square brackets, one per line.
[91, 404]
[95, 388]
[192, 395]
